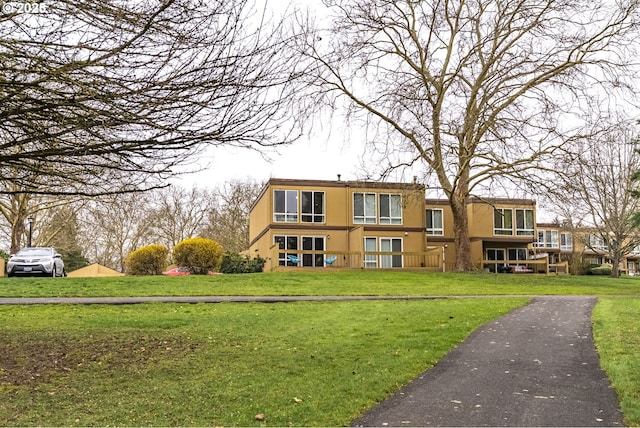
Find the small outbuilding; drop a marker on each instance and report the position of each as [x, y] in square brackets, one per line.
[94, 270]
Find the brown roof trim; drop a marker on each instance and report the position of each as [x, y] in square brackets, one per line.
[488, 201]
[340, 183]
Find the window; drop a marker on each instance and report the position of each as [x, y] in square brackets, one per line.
[312, 207]
[524, 222]
[517, 254]
[391, 245]
[597, 242]
[364, 208]
[548, 239]
[390, 208]
[551, 239]
[434, 222]
[370, 260]
[502, 221]
[286, 243]
[285, 205]
[313, 243]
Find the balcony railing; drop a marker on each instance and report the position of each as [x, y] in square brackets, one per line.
[429, 260]
[541, 265]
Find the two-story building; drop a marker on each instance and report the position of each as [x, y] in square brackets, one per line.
[357, 224]
[501, 232]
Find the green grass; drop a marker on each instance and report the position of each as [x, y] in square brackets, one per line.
[221, 364]
[301, 364]
[617, 335]
[329, 282]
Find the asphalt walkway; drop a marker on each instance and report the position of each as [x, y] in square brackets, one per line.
[536, 366]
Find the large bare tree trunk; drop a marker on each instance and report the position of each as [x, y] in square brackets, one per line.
[461, 229]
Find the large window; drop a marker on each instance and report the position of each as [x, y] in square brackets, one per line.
[524, 222]
[434, 222]
[597, 242]
[313, 243]
[285, 206]
[390, 208]
[566, 241]
[502, 221]
[547, 239]
[364, 208]
[312, 207]
[391, 245]
[517, 253]
[289, 247]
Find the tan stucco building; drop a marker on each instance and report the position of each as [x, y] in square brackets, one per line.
[318, 223]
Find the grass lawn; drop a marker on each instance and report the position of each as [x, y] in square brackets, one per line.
[301, 364]
[326, 282]
[616, 331]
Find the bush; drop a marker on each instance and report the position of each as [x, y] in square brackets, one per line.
[235, 263]
[603, 269]
[199, 255]
[149, 260]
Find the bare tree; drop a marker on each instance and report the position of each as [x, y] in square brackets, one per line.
[228, 221]
[113, 226]
[475, 91]
[178, 213]
[49, 217]
[92, 91]
[595, 192]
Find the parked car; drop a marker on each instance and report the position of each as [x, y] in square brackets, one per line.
[43, 261]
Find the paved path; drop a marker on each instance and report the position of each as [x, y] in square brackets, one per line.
[536, 366]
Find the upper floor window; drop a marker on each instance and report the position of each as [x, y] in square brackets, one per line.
[566, 241]
[524, 223]
[312, 207]
[434, 222]
[547, 239]
[597, 242]
[364, 208]
[502, 221]
[390, 208]
[285, 206]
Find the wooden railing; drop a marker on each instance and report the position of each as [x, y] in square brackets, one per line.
[285, 259]
[541, 266]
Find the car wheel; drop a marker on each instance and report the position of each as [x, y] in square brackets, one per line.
[53, 271]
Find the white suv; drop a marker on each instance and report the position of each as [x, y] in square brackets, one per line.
[36, 261]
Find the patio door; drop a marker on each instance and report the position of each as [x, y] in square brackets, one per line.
[313, 243]
[391, 245]
[496, 254]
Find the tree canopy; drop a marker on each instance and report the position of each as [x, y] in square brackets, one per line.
[104, 96]
[476, 92]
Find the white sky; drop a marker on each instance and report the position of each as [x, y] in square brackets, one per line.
[306, 159]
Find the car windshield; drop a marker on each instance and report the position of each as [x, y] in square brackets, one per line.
[35, 252]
